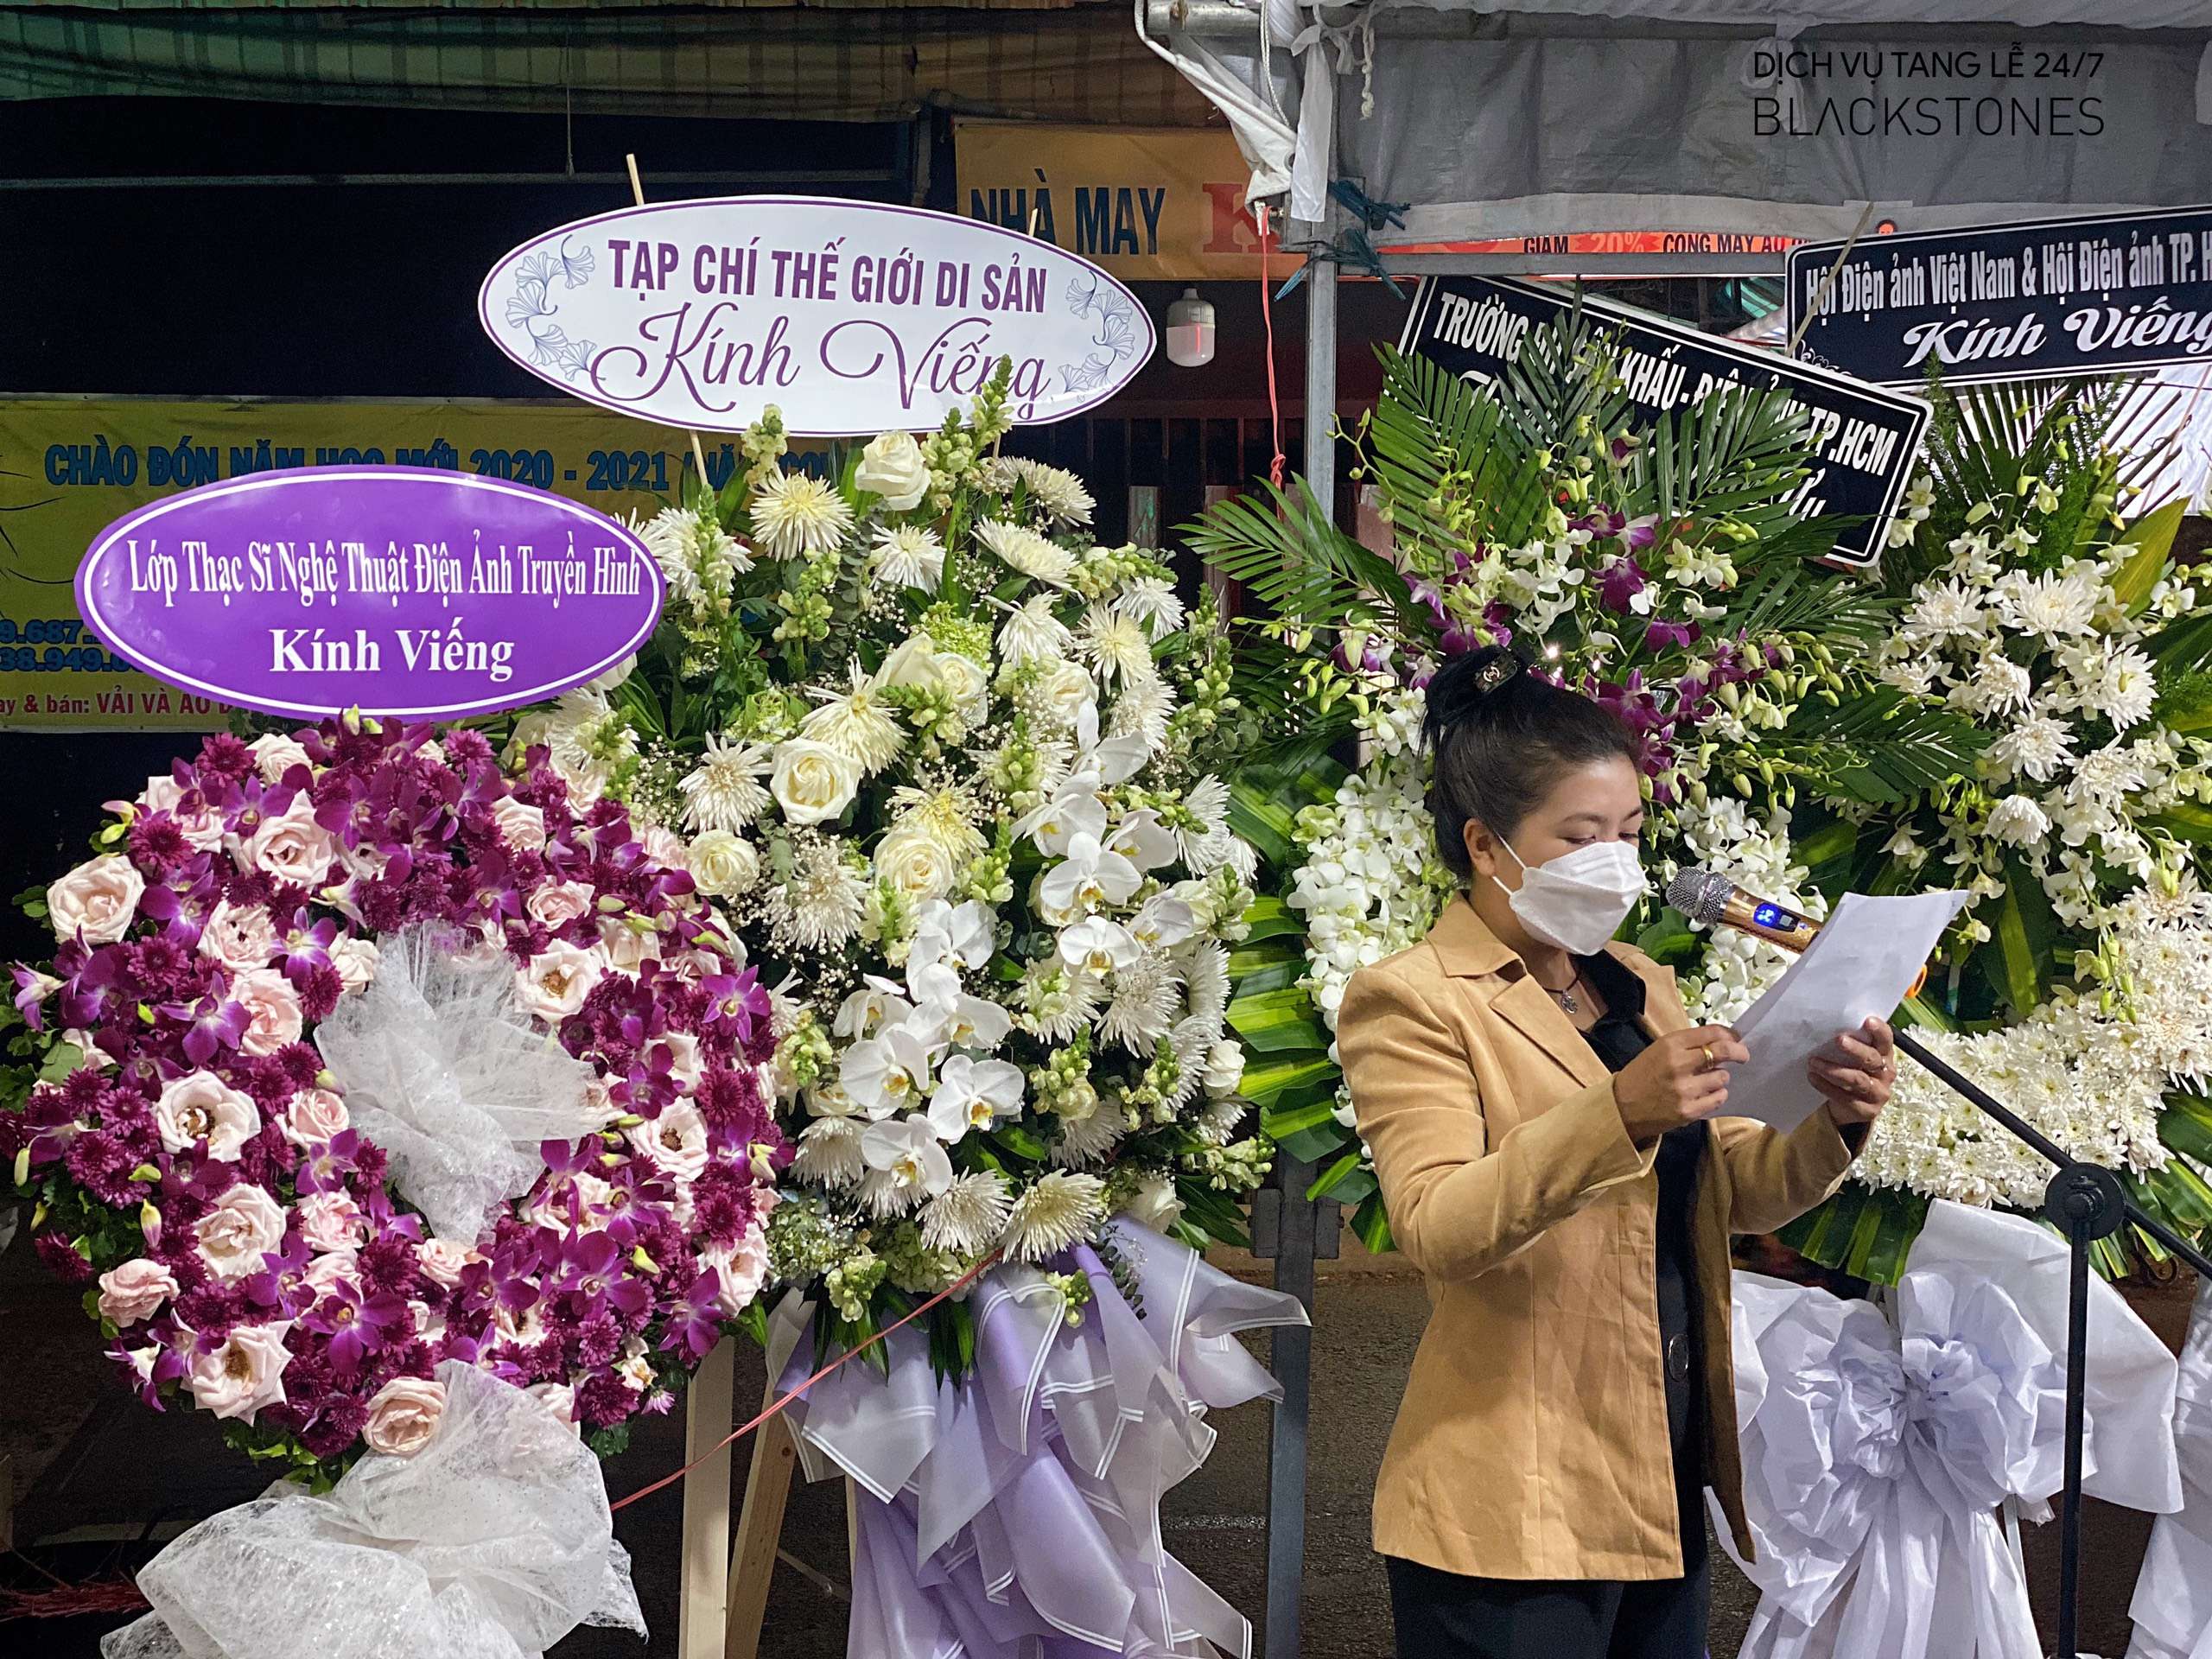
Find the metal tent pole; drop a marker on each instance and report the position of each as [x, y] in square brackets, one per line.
[1300, 1218]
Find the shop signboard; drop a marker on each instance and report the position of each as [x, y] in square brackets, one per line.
[1866, 437]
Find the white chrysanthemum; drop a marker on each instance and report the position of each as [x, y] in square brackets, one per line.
[1023, 549]
[698, 558]
[1143, 711]
[1997, 687]
[1223, 1115]
[949, 816]
[2036, 747]
[1205, 972]
[1061, 1211]
[829, 1152]
[1058, 495]
[724, 791]
[857, 722]
[1206, 802]
[1141, 1007]
[2056, 606]
[1031, 632]
[968, 1217]
[2125, 690]
[907, 556]
[818, 907]
[797, 514]
[1055, 1001]
[1116, 646]
[2018, 822]
[1152, 602]
[1091, 1138]
[1943, 609]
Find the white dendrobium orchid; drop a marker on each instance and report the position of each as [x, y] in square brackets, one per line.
[1098, 947]
[909, 1159]
[885, 1073]
[1091, 875]
[973, 1094]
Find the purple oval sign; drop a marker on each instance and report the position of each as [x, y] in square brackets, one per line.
[395, 590]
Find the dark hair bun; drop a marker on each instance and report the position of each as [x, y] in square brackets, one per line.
[1502, 735]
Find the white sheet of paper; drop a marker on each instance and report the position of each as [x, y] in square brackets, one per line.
[1858, 967]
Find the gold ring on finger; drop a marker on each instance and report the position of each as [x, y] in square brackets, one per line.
[1707, 1051]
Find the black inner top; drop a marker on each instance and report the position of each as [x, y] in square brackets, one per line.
[1617, 1037]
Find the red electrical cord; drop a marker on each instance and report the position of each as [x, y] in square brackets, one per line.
[1267, 320]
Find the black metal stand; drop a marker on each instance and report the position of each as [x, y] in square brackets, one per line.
[2086, 1202]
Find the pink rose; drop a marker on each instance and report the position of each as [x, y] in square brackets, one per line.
[686, 1066]
[665, 847]
[442, 1259]
[135, 1291]
[332, 1221]
[557, 980]
[272, 1010]
[97, 901]
[624, 946]
[276, 754]
[559, 1399]
[356, 961]
[292, 847]
[244, 1374]
[203, 830]
[327, 1273]
[200, 1106]
[675, 1142]
[430, 1322]
[742, 1268]
[598, 1101]
[238, 937]
[520, 825]
[558, 903]
[245, 1225]
[313, 1116]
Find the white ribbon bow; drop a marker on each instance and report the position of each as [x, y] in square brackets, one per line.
[2172, 1608]
[1876, 1455]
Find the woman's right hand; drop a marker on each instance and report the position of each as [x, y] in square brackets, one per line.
[1679, 1079]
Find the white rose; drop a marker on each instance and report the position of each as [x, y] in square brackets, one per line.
[558, 903]
[238, 937]
[1153, 1203]
[245, 1225]
[675, 1142]
[685, 1064]
[915, 864]
[203, 830]
[626, 947]
[313, 1116]
[272, 1010]
[97, 901]
[200, 1106]
[276, 754]
[1224, 1069]
[723, 865]
[742, 1269]
[912, 664]
[244, 1374]
[520, 825]
[1064, 690]
[405, 1416]
[892, 466]
[557, 980]
[960, 675]
[442, 1260]
[333, 1221]
[334, 1268]
[356, 960]
[291, 847]
[134, 1291]
[812, 781]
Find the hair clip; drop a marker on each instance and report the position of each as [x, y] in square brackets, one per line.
[1495, 673]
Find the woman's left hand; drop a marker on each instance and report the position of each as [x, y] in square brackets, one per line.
[1855, 1073]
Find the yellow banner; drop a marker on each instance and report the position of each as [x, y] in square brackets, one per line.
[1147, 204]
[69, 467]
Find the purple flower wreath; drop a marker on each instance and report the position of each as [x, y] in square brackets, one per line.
[189, 1149]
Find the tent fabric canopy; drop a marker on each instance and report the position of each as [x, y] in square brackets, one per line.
[1541, 117]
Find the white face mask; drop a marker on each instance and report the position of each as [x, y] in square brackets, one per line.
[1577, 901]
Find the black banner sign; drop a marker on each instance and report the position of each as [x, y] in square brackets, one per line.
[1867, 438]
[2108, 294]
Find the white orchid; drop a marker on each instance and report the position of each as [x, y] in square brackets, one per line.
[885, 1073]
[973, 1094]
[1091, 875]
[1098, 947]
[908, 1159]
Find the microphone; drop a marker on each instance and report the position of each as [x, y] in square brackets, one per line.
[1708, 896]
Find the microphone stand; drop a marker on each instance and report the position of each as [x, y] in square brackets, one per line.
[2086, 1202]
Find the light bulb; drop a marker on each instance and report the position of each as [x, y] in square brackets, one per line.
[1189, 331]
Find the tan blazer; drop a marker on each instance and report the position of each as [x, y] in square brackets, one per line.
[1532, 1441]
